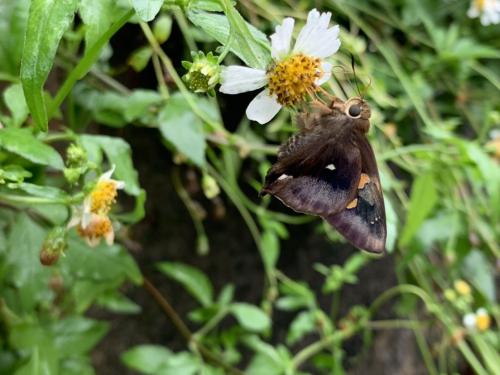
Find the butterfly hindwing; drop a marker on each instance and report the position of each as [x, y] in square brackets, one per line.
[362, 222]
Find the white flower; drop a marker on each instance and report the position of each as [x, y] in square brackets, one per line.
[487, 10]
[91, 218]
[294, 74]
[480, 320]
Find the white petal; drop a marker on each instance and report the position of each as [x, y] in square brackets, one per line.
[280, 40]
[74, 221]
[469, 321]
[315, 38]
[327, 73]
[119, 184]
[237, 79]
[473, 12]
[107, 175]
[263, 108]
[86, 214]
[110, 237]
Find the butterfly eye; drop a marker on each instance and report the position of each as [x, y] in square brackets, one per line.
[354, 110]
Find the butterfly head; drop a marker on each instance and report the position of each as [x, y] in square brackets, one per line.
[354, 109]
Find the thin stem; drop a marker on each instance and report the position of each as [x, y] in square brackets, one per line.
[184, 330]
[203, 246]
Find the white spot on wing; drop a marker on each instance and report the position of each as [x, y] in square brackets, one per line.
[330, 167]
[282, 177]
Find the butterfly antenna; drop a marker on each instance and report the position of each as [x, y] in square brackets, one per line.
[339, 81]
[353, 65]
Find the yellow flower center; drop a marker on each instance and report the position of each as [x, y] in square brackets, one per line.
[480, 4]
[294, 78]
[102, 197]
[98, 227]
[483, 322]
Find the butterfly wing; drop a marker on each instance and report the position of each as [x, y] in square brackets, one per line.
[317, 171]
[362, 222]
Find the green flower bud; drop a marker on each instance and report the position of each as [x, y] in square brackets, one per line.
[203, 73]
[76, 156]
[54, 245]
[210, 187]
[72, 174]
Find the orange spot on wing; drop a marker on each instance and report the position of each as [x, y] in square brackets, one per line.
[352, 204]
[364, 179]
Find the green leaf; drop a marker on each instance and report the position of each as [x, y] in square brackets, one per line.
[271, 248]
[97, 16]
[77, 335]
[21, 142]
[119, 154]
[250, 317]
[113, 109]
[147, 9]
[156, 360]
[40, 191]
[101, 264]
[195, 281]
[479, 271]
[147, 359]
[249, 43]
[21, 259]
[47, 22]
[424, 197]
[181, 127]
[14, 100]
[13, 23]
[303, 324]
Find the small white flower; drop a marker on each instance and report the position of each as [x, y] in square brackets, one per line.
[469, 321]
[101, 197]
[91, 218]
[294, 74]
[487, 10]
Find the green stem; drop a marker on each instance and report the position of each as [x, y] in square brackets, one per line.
[178, 81]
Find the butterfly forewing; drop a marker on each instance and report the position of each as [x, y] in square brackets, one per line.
[316, 173]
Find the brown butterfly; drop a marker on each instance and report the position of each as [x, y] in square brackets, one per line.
[328, 169]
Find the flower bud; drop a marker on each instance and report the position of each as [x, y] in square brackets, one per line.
[203, 72]
[53, 246]
[210, 187]
[76, 156]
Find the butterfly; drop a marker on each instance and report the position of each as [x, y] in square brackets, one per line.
[328, 169]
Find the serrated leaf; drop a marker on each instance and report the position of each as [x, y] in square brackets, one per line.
[181, 127]
[147, 9]
[424, 197]
[250, 317]
[77, 335]
[21, 142]
[47, 22]
[195, 281]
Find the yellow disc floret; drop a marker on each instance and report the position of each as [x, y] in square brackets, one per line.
[99, 226]
[294, 78]
[103, 196]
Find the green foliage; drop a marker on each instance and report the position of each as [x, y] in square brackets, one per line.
[431, 77]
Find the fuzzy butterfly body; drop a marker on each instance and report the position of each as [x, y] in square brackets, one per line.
[328, 169]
